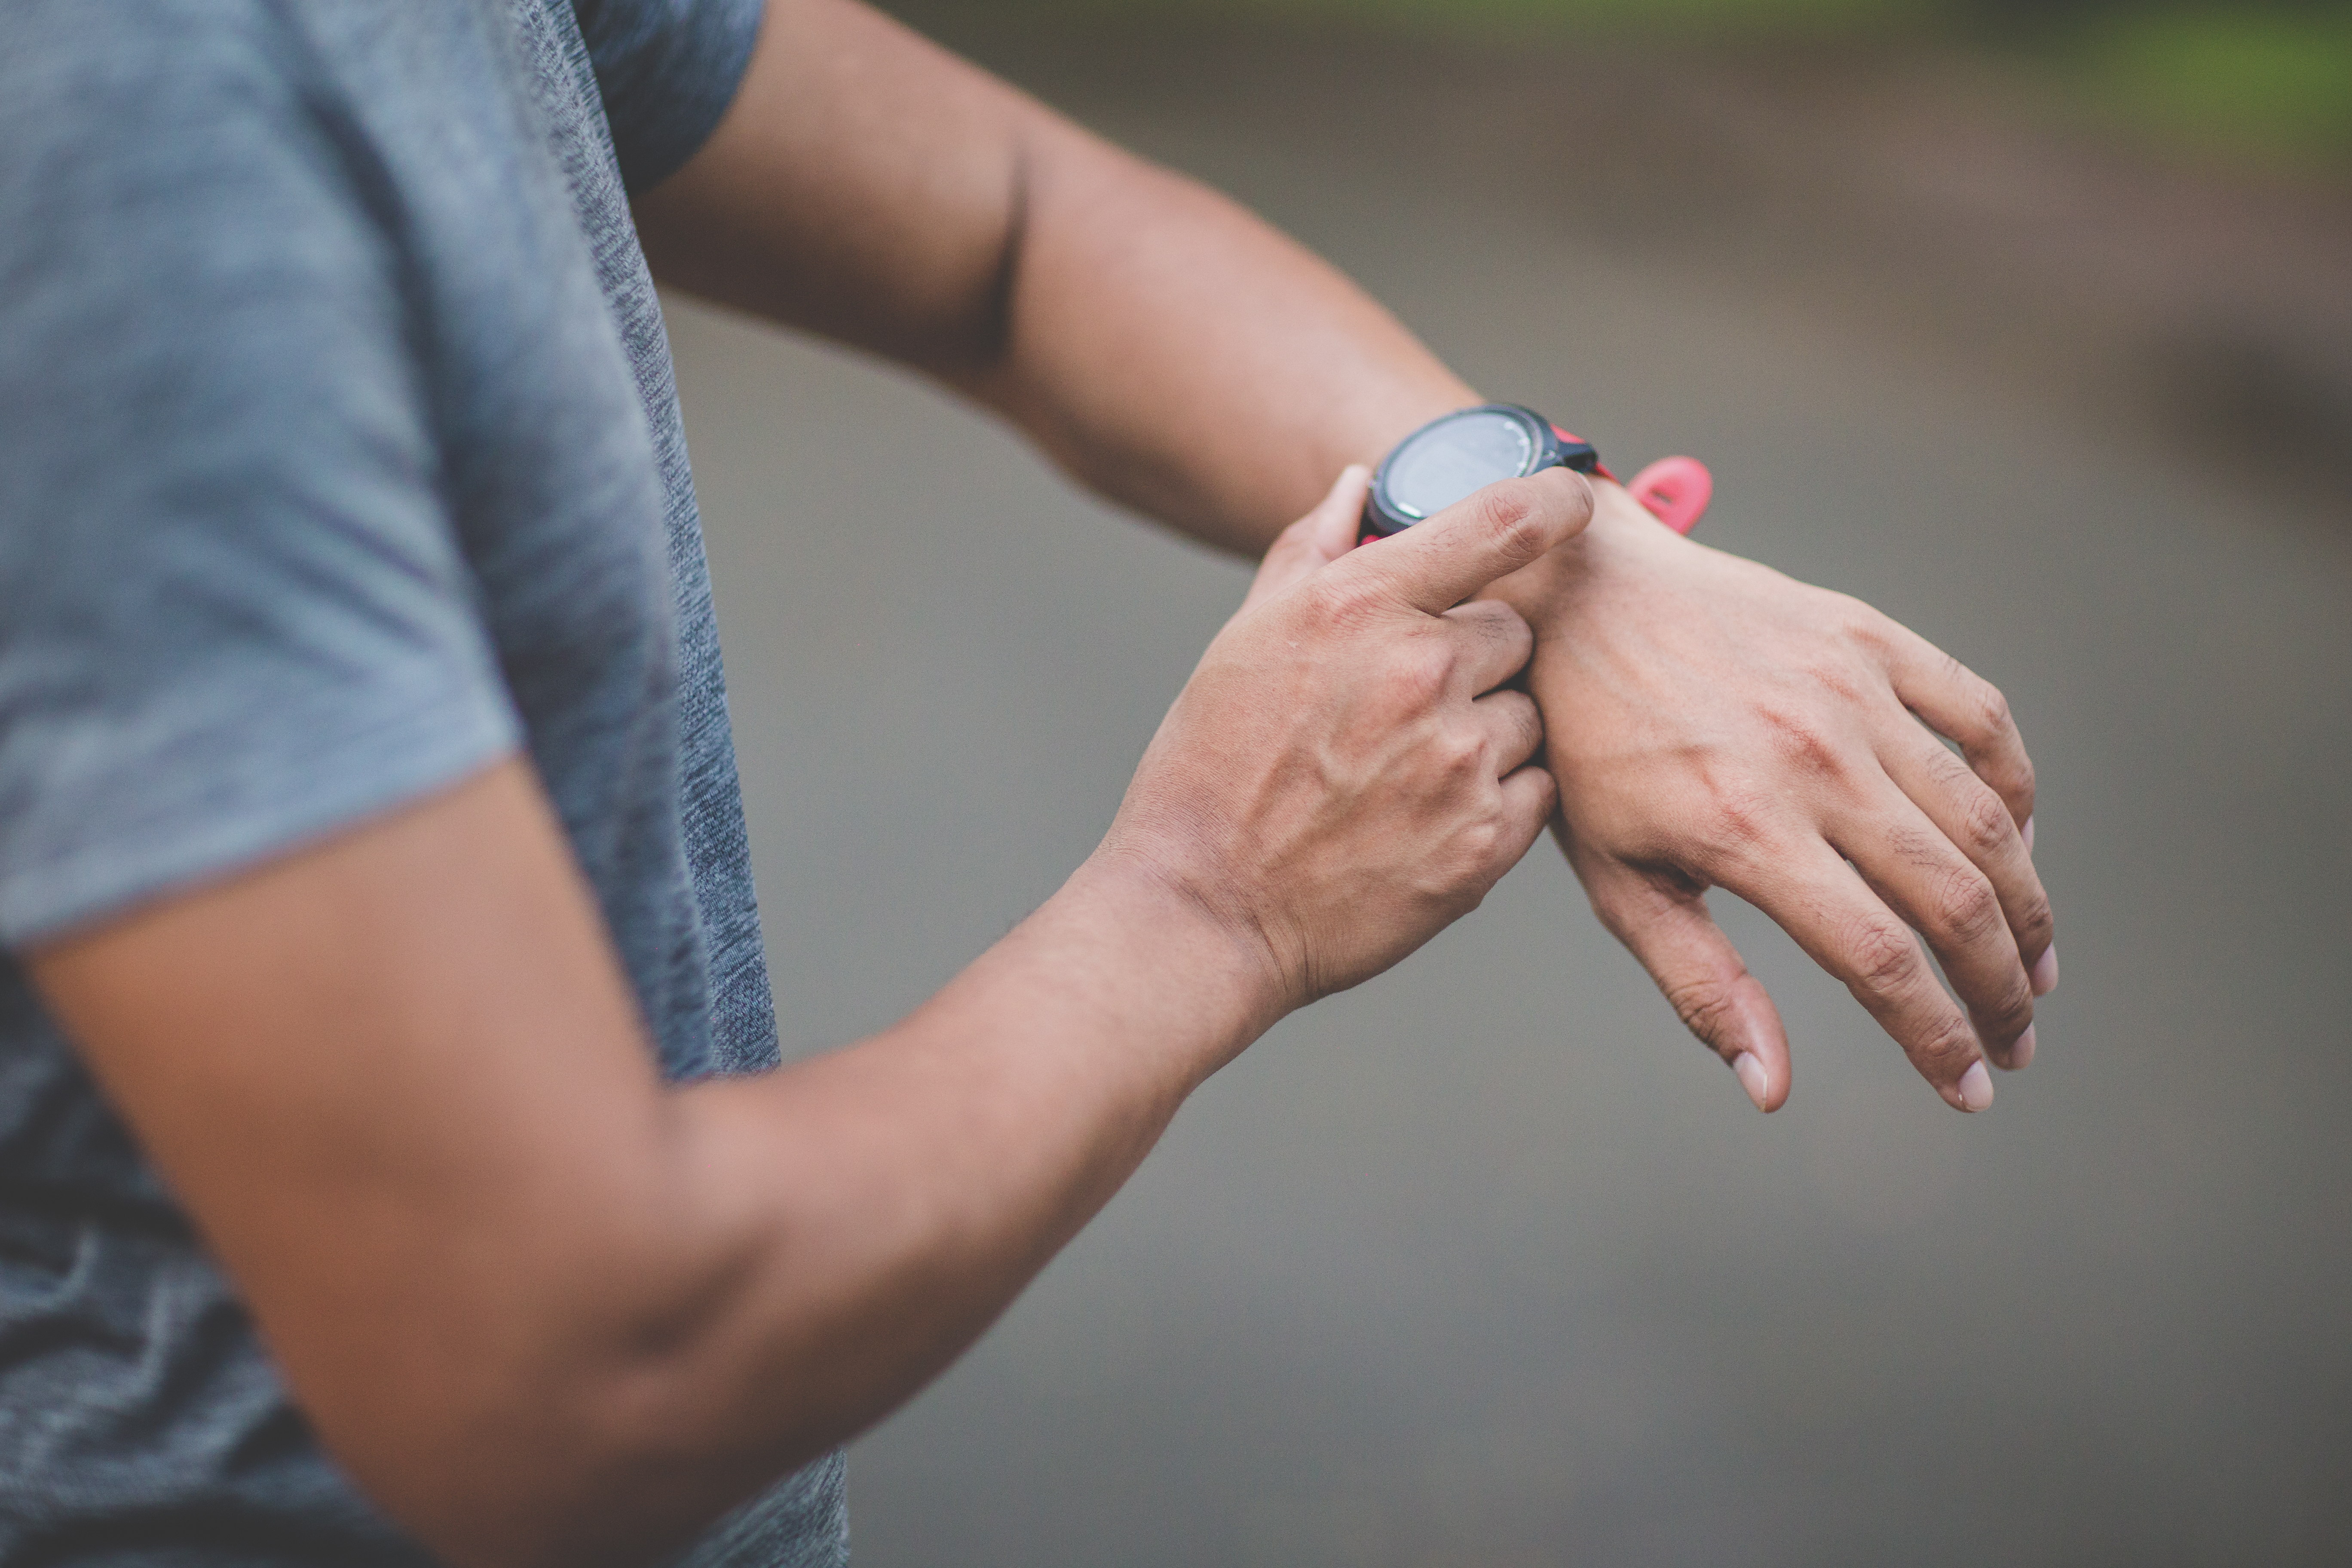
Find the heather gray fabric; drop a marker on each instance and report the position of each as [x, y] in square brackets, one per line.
[339, 456]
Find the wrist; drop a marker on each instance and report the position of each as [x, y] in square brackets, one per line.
[1622, 530]
[1183, 951]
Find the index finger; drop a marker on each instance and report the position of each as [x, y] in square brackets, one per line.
[1435, 566]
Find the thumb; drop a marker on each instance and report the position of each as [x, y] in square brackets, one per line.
[1701, 974]
[1435, 566]
[1314, 541]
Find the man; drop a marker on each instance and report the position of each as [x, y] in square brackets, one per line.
[370, 851]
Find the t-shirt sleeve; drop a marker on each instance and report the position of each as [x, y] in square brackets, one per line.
[234, 612]
[668, 70]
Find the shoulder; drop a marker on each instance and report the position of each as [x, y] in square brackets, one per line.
[195, 283]
[221, 537]
[154, 121]
[68, 65]
[168, 145]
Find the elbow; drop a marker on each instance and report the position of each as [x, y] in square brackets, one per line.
[616, 1460]
[993, 336]
[973, 345]
[583, 1501]
[588, 1413]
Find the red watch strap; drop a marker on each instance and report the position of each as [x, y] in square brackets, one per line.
[1598, 465]
[1674, 490]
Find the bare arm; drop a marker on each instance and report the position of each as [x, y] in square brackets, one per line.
[1711, 724]
[1164, 345]
[549, 1312]
[399, 1081]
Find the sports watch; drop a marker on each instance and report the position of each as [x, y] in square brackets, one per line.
[1453, 456]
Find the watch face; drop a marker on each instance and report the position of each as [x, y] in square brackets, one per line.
[1453, 458]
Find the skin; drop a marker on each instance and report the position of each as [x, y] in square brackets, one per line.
[1175, 353]
[547, 1309]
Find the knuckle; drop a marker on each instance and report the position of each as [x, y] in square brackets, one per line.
[1867, 627]
[1947, 769]
[1510, 515]
[1509, 625]
[1464, 869]
[2037, 924]
[1491, 620]
[1422, 673]
[1836, 678]
[1530, 720]
[2013, 1010]
[1343, 607]
[1884, 956]
[1459, 754]
[1705, 1007]
[1947, 1046]
[1985, 825]
[1992, 708]
[1800, 741]
[2020, 783]
[1966, 910]
[1547, 793]
[1743, 823]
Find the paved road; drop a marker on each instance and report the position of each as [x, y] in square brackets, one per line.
[1484, 1264]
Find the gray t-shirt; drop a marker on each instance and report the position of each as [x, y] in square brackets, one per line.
[339, 456]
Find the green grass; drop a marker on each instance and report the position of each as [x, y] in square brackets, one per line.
[2276, 85]
[1499, 18]
[2266, 81]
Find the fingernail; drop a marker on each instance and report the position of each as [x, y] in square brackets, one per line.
[1975, 1088]
[1751, 1075]
[2029, 836]
[2044, 977]
[2020, 1055]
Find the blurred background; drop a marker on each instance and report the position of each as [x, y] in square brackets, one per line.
[2028, 323]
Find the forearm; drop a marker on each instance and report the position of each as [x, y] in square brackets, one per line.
[1178, 354]
[1592, 562]
[873, 1210]
[1164, 345]
[543, 1307]
[546, 1309]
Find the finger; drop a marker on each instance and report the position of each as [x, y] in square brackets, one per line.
[1491, 641]
[1434, 565]
[1529, 797]
[1911, 863]
[1957, 701]
[1701, 974]
[1512, 726]
[1314, 541]
[1848, 930]
[1965, 809]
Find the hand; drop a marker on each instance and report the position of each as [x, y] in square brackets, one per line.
[1341, 777]
[1711, 722]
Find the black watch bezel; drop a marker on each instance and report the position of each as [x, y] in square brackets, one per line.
[1549, 449]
